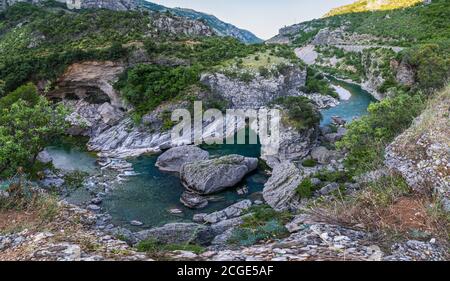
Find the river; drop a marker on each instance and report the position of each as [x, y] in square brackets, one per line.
[149, 196]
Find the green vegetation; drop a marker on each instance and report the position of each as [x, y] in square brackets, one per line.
[154, 248]
[367, 137]
[432, 62]
[316, 83]
[305, 189]
[263, 223]
[27, 124]
[405, 27]
[24, 197]
[74, 180]
[147, 86]
[39, 43]
[327, 176]
[309, 163]
[300, 113]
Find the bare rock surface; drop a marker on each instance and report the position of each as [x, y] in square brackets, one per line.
[173, 159]
[211, 176]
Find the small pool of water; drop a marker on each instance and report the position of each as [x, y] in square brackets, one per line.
[71, 155]
[349, 109]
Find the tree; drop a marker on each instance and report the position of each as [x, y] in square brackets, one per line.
[26, 128]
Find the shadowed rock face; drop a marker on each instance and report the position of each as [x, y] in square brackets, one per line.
[279, 191]
[211, 176]
[91, 81]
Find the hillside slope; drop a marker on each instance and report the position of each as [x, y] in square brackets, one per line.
[372, 5]
[220, 27]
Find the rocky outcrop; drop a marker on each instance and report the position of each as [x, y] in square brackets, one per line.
[293, 145]
[173, 159]
[89, 119]
[405, 73]
[279, 191]
[181, 26]
[92, 81]
[115, 5]
[422, 153]
[260, 91]
[307, 54]
[211, 176]
[127, 140]
[234, 211]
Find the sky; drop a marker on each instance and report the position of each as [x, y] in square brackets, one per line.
[262, 17]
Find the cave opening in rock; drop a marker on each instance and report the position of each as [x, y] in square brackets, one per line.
[92, 95]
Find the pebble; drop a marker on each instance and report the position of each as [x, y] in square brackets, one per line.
[97, 201]
[175, 211]
[93, 207]
[136, 223]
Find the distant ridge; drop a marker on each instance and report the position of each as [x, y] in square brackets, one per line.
[220, 27]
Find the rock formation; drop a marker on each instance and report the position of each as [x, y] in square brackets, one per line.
[211, 176]
[174, 159]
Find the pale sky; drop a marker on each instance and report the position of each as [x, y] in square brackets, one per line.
[262, 17]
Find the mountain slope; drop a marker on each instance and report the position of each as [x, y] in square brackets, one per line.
[372, 5]
[220, 27]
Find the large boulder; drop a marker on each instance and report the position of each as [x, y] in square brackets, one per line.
[44, 157]
[178, 233]
[279, 191]
[173, 159]
[211, 176]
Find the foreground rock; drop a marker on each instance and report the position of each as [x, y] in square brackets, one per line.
[71, 236]
[211, 176]
[173, 159]
[279, 191]
[178, 233]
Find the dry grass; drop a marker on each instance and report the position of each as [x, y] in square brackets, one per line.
[389, 209]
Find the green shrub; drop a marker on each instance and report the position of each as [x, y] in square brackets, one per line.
[247, 237]
[305, 189]
[316, 83]
[309, 163]
[263, 223]
[153, 247]
[300, 113]
[339, 177]
[26, 128]
[264, 72]
[147, 86]
[366, 138]
[432, 62]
